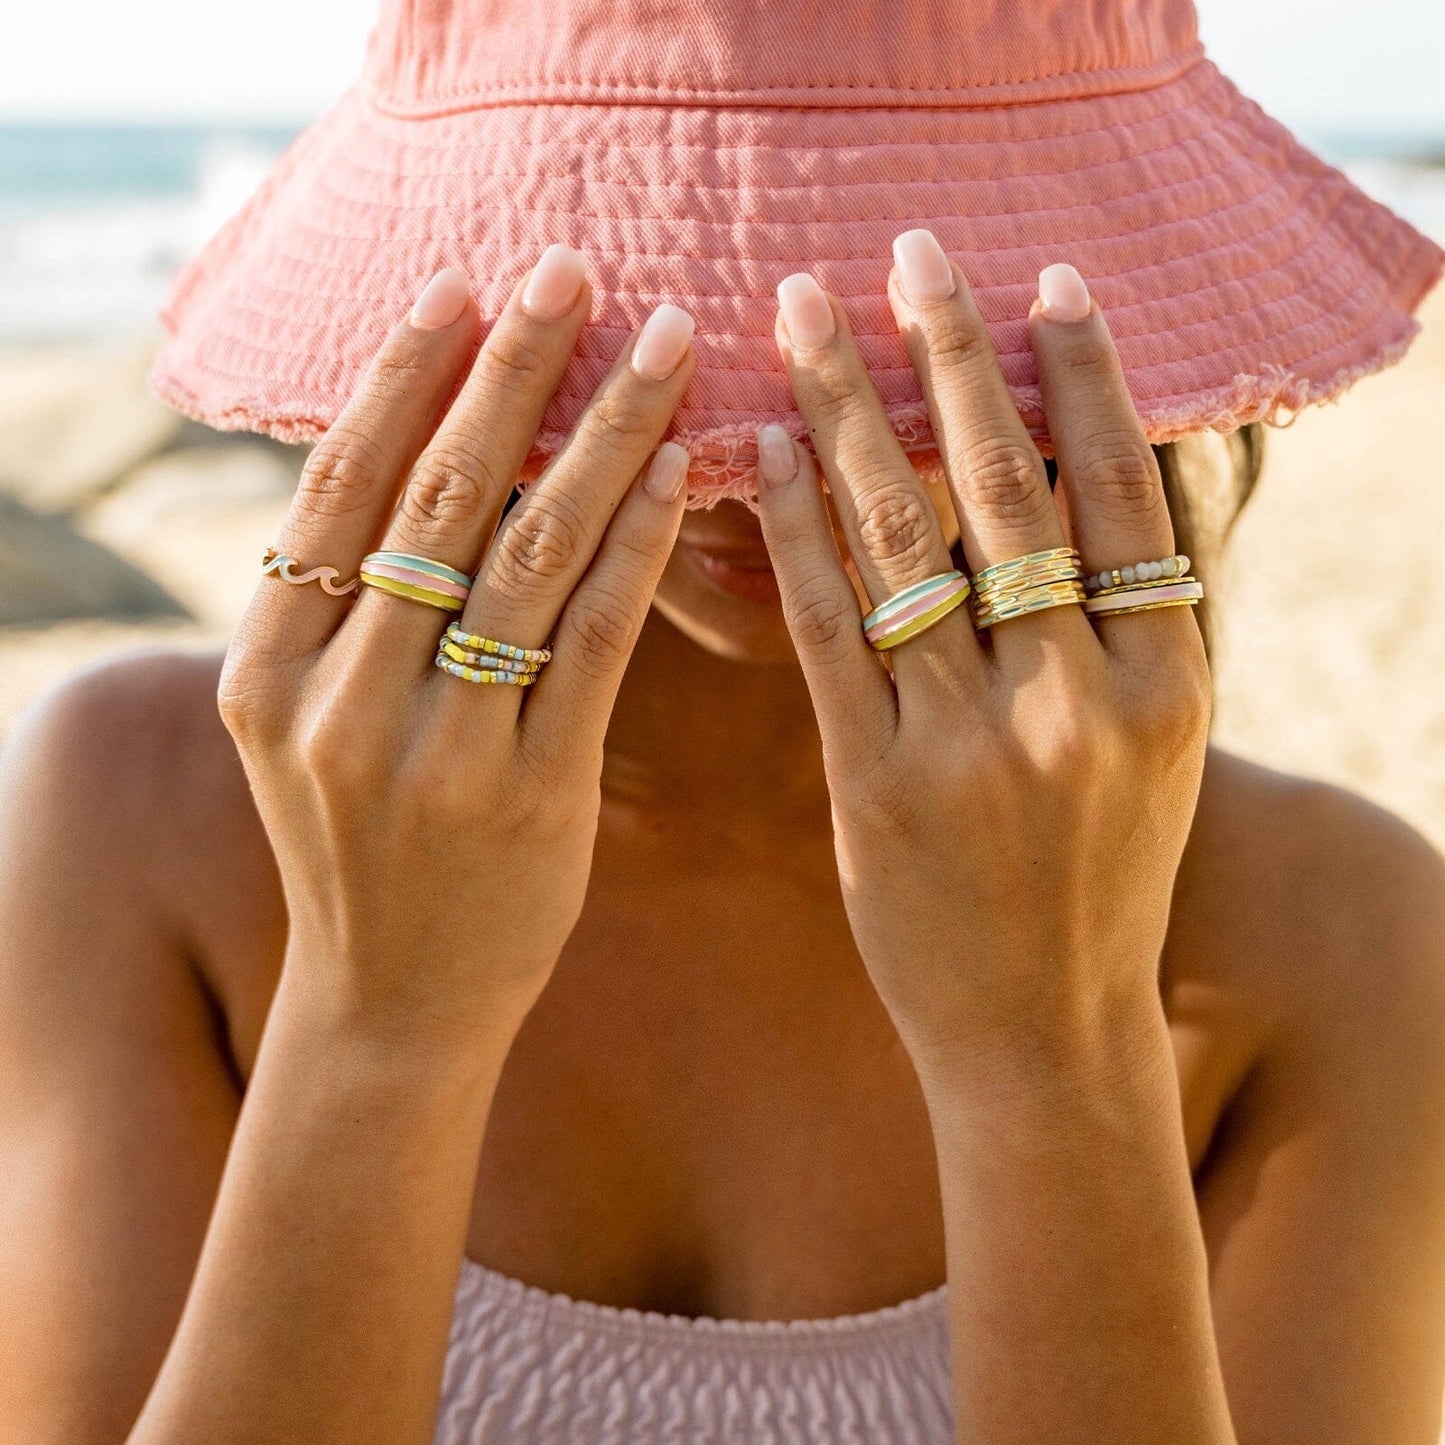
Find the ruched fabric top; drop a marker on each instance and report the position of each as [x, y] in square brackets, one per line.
[529, 1367]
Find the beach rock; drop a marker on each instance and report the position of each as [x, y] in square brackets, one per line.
[193, 483]
[48, 571]
[73, 419]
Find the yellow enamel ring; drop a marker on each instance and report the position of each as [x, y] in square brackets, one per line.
[915, 609]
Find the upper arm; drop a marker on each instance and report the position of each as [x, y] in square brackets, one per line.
[1323, 1196]
[116, 1099]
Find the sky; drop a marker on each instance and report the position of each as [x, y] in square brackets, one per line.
[1321, 66]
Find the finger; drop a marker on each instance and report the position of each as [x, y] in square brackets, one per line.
[450, 503]
[996, 475]
[351, 475]
[888, 518]
[566, 711]
[1113, 491]
[549, 538]
[852, 695]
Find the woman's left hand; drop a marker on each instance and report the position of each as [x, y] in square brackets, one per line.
[1010, 806]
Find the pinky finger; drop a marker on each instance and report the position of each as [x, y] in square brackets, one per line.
[566, 711]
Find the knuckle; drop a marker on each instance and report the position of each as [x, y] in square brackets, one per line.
[514, 363]
[447, 488]
[1006, 480]
[836, 403]
[896, 520]
[886, 802]
[1120, 471]
[398, 365]
[539, 543]
[601, 630]
[1084, 353]
[821, 619]
[246, 702]
[340, 473]
[621, 419]
[1180, 705]
[956, 343]
[1075, 742]
[328, 750]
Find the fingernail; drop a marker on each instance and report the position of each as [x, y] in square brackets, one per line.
[777, 461]
[1063, 293]
[923, 269]
[668, 471]
[555, 283]
[662, 342]
[442, 300]
[806, 312]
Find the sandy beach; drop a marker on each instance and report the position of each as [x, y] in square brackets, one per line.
[1315, 673]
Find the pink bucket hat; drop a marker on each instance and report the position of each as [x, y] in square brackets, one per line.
[697, 151]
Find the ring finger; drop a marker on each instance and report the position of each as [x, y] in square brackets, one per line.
[549, 538]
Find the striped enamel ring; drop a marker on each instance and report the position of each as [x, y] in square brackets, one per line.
[418, 579]
[915, 609]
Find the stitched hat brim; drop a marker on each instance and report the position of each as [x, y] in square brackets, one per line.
[1242, 277]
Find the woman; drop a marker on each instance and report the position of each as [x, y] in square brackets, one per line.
[729, 1031]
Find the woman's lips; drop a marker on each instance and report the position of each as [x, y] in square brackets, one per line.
[743, 573]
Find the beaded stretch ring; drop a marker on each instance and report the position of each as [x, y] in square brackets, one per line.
[915, 609]
[486, 659]
[418, 579]
[478, 643]
[1167, 568]
[278, 564]
[484, 674]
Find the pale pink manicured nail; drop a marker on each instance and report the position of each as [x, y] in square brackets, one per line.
[1063, 293]
[923, 269]
[442, 300]
[777, 461]
[668, 471]
[806, 312]
[555, 283]
[662, 342]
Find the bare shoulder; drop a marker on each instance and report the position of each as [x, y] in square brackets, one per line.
[1312, 928]
[127, 776]
[1312, 889]
[1311, 921]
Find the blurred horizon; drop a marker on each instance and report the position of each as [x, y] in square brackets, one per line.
[1320, 66]
[121, 157]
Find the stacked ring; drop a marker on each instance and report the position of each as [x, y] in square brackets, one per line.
[1145, 596]
[474, 658]
[478, 643]
[418, 579]
[1143, 586]
[483, 674]
[915, 609]
[1031, 583]
[486, 659]
[1166, 569]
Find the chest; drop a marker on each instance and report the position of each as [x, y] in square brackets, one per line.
[708, 1112]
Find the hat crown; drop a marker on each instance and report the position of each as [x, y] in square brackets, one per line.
[437, 55]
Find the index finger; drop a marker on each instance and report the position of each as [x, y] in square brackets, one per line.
[351, 476]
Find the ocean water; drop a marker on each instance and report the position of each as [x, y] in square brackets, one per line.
[95, 219]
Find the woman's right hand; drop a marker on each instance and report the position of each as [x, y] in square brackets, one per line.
[434, 836]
